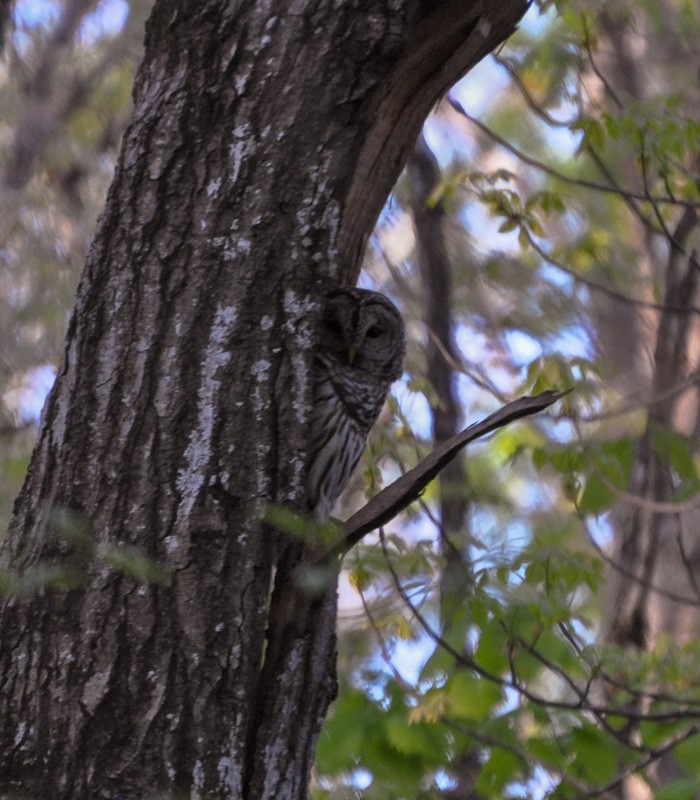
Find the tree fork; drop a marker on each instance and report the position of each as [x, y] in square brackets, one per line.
[264, 140]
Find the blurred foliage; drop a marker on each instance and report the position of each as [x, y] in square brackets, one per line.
[65, 85]
[564, 187]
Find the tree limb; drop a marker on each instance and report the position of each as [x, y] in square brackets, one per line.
[391, 501]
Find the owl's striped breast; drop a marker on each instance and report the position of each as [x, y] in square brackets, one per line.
[346, 404]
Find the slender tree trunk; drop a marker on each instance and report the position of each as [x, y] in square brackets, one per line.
[453, 497]
[5, 20]
[264, 140]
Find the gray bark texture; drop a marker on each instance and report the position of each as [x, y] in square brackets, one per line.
[265, 138]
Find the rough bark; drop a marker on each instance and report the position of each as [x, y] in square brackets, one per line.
[264, 139]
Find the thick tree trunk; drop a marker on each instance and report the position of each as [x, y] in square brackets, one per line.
[264, 140]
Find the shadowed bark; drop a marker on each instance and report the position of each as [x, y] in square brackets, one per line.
[264, 140]
[5, 20]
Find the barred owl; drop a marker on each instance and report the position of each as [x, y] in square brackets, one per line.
[359, 354]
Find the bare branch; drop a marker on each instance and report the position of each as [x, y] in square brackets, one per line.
[382, 508]
[383, 647]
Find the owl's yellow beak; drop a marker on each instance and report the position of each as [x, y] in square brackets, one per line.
[352, 352]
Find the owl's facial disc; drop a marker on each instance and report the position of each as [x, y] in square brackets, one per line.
[363, 331]
[373, 345]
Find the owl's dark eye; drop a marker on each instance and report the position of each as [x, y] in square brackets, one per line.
[374, 331]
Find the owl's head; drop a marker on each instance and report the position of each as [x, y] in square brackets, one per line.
[364, 331]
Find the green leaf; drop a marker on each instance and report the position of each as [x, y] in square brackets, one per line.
[679, 789]
[343, 736]
[593, 133]
[687, 755]
[535, 225]
[415, 739]
[549, 752]
[595, 759]
[539, 458]
[491, 652]
[523, 238]
[402, 772]
[616, 460]
[440, 662]
[291, 521]
[677, 450]
[131, 561]
[595, 497]
[470, 697]
[501, 768]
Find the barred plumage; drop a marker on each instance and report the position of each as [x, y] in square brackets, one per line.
[359, 354]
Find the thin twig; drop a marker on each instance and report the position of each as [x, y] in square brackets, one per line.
[381, 644]
[655, 506]
[627, 573]
[513, 683]
[629, 201]
[594, 66]
[472, 371]
[654, 754]
[601, 287]
[528, 98]
[533, 162]
[657, 399]
[647, 190]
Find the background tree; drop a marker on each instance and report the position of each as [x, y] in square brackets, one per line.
[180, 406]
